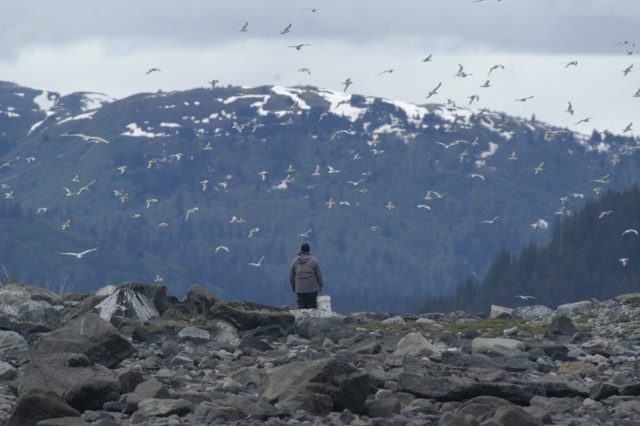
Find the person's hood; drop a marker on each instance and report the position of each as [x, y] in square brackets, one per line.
[303, 258]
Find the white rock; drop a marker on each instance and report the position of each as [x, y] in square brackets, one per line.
[107, 290]
[497, 310]
[497, 346]
[127, 303]
[415, 344]
[394, 320]
[578, 307]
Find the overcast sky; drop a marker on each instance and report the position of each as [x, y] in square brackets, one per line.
[107, 46]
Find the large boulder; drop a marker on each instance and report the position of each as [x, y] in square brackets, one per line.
[21, 303]
[248, 315]
[81, 383]
[200, 299]
[158, 294]
[128, 304]
[347, 386]
[89, 335]
[40, 404]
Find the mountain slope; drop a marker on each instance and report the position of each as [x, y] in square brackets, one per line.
[390, 152]
[593, 253]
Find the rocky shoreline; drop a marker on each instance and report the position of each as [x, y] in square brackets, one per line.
[136, 355]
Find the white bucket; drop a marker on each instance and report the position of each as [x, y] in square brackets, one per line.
[324, 303]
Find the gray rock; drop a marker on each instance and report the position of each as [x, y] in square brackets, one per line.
[362, 343]
[200, 299]
[10, 340]
[318, 329]
[461, 388]
[89, 335]
[364, 318]
[536, 311]
[152, 407]
[149, 389]
[128, 304]
[497, 347]
[496, 311]
[251, 342]
[211, 411]
[453, 419]
[577, 307]
[248, 316]
[70, 421]
[383, 407]
[632, 299]
[7, 372]
[293, 400]
[129, 378]
[415, 344]
[512, 415]
[460, 359]
[28, 304]
[603, 390]
[222, 331]
[248, 405]
[563, 326]
[81, 383]
[347, 386]
[107, 290]
[41, 404]
[158, 294]
[480, 406]
[194, 334]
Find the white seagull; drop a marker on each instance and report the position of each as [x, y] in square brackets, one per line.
[253, 231]
[222, 248]
[305, 234]
[190, 212]
[434, 91]
[244, 29]
[286, 30]
[347, 83]
[258, 263]
[299, 46]
[525, 297]
[629, 231]
[569, 109]
[79, 255]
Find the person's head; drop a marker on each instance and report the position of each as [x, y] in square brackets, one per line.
[304, 248]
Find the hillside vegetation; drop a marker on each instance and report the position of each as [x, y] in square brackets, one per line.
[379, 250]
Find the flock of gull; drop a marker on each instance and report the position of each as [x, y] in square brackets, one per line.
[263, 175]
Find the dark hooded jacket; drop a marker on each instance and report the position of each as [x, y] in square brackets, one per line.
[305, 275]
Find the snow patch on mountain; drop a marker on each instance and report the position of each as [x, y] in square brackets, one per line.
[93, 101]
[136, 131]
[36, 125]
[342, 109]
[291, 93]
[84, 116]
[45, 100]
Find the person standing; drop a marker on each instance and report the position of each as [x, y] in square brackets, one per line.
[305, 278]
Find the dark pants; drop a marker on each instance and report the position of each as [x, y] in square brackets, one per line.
[307, 300]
